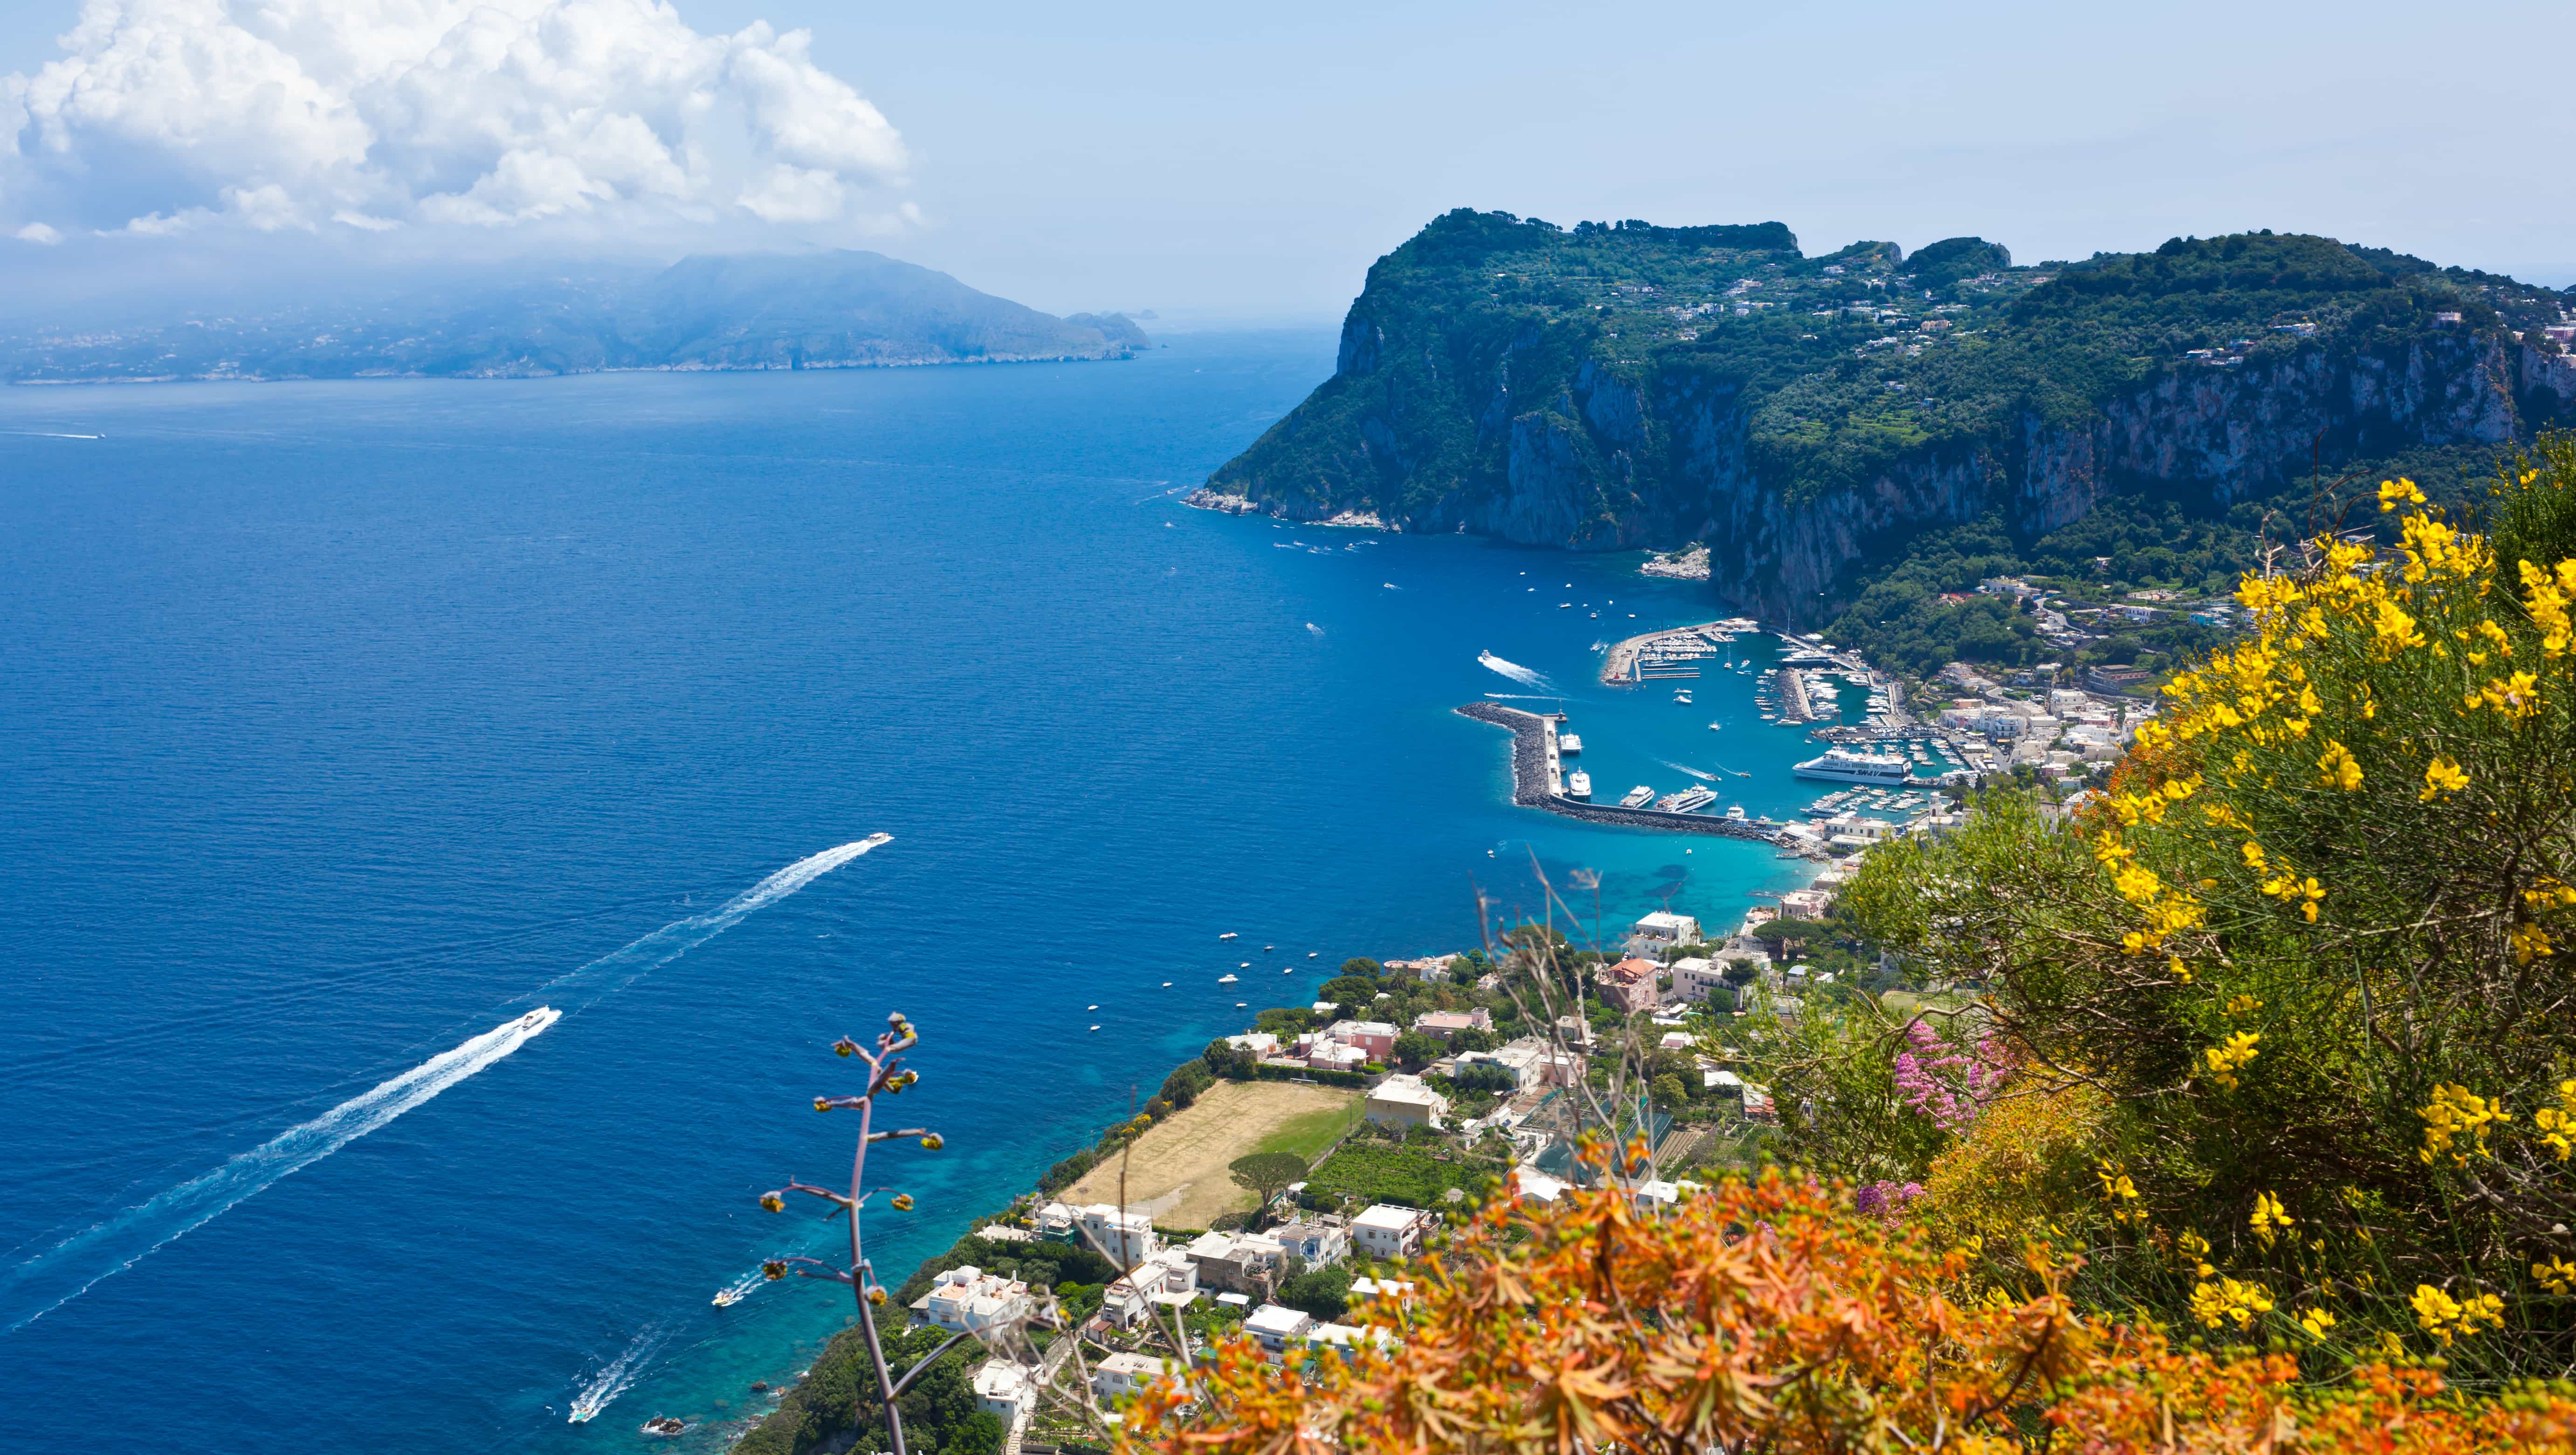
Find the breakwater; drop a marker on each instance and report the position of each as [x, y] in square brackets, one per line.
[1530, 784]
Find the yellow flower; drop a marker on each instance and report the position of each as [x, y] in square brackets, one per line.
[2557, 1275]
[2393, 493]
[2228, 1301]
[2456, 1112]
[2529, 942]
[2558, 1123]
[772, 1202]
[2517, 696]
[2268, 1220]
[2446, 1318]
[2442, 776]
[2180, 971]
[2338, 768]
[2395, 630]
[2136, 884]
[2316, 1321]
[2226, 1060]
[2241, 1005]
[2254, 856]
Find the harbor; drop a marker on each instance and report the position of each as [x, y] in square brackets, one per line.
[1672, 653]
[1536, 765]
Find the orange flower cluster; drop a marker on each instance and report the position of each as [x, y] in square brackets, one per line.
[1766, 1315]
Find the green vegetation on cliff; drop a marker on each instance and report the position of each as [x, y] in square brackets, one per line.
[1819, 421]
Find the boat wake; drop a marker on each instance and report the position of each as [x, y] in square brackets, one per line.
[615, 971]
[1522, 696]
[70, 1268]
[618, 1377]
[740, 1289]
[1513, 670]
[50, 1279]
[1694, 772]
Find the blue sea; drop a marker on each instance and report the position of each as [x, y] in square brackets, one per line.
[345, 724]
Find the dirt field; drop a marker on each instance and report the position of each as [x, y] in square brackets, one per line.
[1176, 1171]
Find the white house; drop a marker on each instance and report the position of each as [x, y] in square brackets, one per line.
[1170, 1278]
[968, 1300]
[1123, 1237]
[1388, 1231]
[1123, 1376]
[1004, 1391]
[1238, 1262]
[1665, 927]
[1273, 1326]
[1404, 1101]
[1318, 1244]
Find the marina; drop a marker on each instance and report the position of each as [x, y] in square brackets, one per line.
[1531, 736]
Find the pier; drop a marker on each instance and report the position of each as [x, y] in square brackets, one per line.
[1535, 784]
[1672, 653]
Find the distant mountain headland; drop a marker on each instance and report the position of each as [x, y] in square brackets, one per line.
[1818, 422]
[833, 310]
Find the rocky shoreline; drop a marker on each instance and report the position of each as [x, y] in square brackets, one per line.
[1529, 784]
[1205, 498]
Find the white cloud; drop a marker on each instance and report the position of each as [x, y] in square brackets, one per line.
[169, 115]
[37, 232]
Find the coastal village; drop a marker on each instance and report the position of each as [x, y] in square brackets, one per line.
[1412, 1085]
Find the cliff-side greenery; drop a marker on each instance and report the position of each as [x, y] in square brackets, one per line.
[1488, 343]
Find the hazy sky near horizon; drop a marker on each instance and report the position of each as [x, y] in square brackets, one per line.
[1242, 163]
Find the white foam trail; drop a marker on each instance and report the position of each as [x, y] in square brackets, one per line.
[1513, 670]
[1694, 772]
[679, 937]
[84, 1259]
[47, 434]
[743, 1287]
[1523, 696]
[1310, 626]
[617, 1378]
[110, 1248]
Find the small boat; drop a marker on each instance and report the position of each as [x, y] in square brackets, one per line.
[1167, 985]
[726, 1297]
[1284, 970]
[1266, 949]
[1240, 1004]
[1229, 934]
[663, 1425]
[1715, 726]
[1311, 954]
[1095, 1028]
[1243, 965]
[1091, 1007]
[1225, 980]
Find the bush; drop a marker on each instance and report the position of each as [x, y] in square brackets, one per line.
[2311, 951]
[1768, 1315]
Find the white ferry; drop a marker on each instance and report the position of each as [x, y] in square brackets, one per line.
[1841, 765]
[1638, 797]
[1569, 744]
[1578, 785]
[1689, 800]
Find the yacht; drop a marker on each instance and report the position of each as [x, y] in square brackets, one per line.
[1842, 765]
[1689, 800]
[1578, 785]
[1225, 979]
[1638, 797]
[1716, 726]
[1736, 813]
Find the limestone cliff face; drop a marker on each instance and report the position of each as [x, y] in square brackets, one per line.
[1596, 459]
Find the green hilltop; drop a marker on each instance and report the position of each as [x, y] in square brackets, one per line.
[1855, 434]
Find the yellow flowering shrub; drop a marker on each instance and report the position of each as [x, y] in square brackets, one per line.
[2312, 944]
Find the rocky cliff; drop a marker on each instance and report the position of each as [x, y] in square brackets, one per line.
[1630, 387]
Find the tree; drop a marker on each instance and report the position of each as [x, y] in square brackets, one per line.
[1415, 1050]
[1362, 965]
[1267, 1174]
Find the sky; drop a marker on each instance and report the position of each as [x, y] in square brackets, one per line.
[1246, 163]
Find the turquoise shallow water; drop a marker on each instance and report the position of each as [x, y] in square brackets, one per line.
[345, 722]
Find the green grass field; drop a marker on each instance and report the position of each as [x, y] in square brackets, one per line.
[1309, 1134]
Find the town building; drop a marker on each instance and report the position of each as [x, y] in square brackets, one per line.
[1241, 1263]
[968, 1300]
[1317, 1243]
[1169, 1279]
[1123, 1236]
[1004, 1391]
[1448, 1023]
[1388, 1231]
[1274, 1327]
[1123, 1376]
[1533, 1062]
[1404, 1101]
[1807, 904]
[1631, 984]
[1666, 928]
[1377, 1038]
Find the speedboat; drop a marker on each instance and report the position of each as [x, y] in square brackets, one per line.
[1229, 934]
[1221, 980]
[726, 1297]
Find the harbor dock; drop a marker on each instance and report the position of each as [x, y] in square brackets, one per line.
[1672, 653]
[1536, 781]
